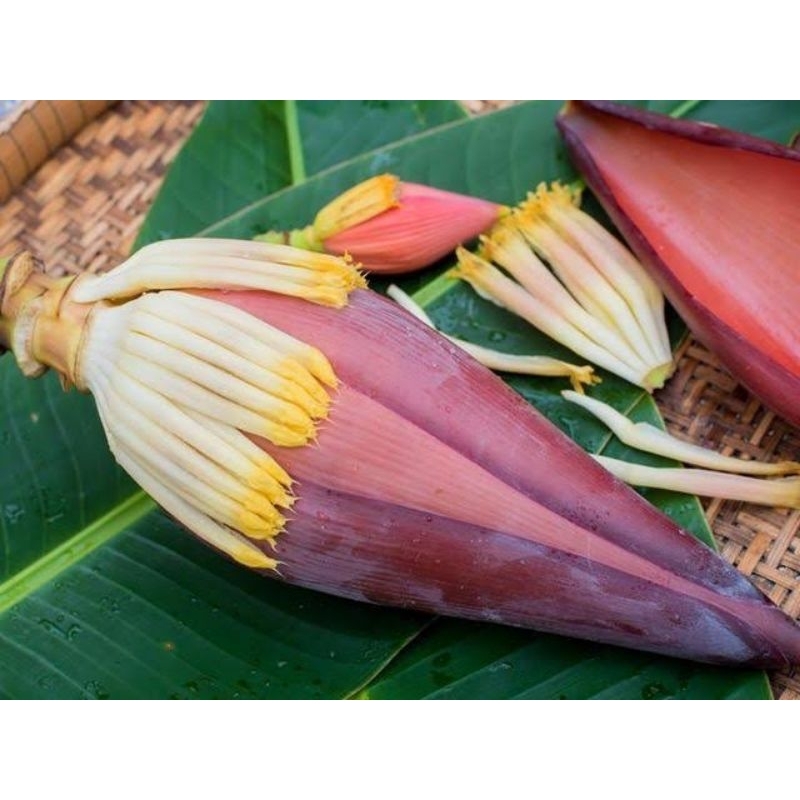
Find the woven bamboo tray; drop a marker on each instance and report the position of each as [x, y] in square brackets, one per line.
[81, 209]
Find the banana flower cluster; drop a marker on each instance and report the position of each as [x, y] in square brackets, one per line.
[315, 431]
[598, 301]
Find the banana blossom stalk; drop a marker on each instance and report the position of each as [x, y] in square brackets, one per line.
[393, 226]
[715, 217]
[314, 431]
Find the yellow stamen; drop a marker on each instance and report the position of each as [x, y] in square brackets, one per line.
[558, 207]
[194, 396]
[265, 468]
[264, 374]
[176, 459]
[598, 290]
[208, 438]
[229, 542]
[359, 204]
[620, 269]
[556, 195]
[221, 383]
[585, 282]
[205, 497]
[162, 423]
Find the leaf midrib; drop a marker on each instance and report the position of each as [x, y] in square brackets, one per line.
[297, 166]
[58, 560]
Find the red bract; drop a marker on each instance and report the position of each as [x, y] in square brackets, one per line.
[433, 486]
[425, 225]
[715, 215]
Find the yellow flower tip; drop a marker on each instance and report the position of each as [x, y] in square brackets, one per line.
[318, 365]
[529, 218]
[300, 385]
[315, 407]
[267, 472]
[358, 277]
[358, 204]
[283, 436]
[485, 249]
[253, 557]
[269, 488]
[290, 416]
[585, 375]
[385, 189]
[255, 526]
[557, 195]
[343, 269]
[287, 501]
[260, 505]
[500, 235]
[468, 263]
[334, 297]
[498, 239]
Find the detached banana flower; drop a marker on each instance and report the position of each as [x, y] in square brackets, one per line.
[392, 226]
[714, 215]
[311, 429]
[598, 301]
[708, 483]
[543, 366]
[715, 481]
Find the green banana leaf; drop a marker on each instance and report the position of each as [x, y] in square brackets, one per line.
[103, 596]
[242, 152]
